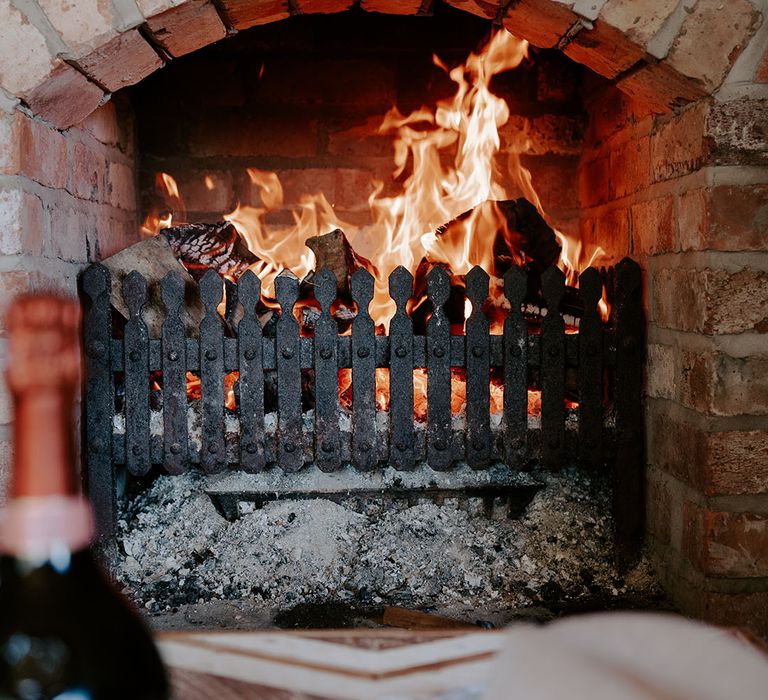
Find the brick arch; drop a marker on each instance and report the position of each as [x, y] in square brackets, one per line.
[64, 61]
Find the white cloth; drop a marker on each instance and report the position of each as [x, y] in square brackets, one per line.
[627, 656]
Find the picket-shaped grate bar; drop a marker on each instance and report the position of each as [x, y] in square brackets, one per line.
[588, 378]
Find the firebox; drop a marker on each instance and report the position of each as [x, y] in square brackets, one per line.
[270, 125]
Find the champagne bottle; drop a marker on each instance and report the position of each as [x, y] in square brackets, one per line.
[65, 633]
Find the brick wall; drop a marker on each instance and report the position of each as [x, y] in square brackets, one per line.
[267, 99]
[66, 198]
[687, 196]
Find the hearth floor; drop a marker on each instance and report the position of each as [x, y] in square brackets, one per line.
[317, 563]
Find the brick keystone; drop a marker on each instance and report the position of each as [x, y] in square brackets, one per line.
[392, 7]
[187, 27]
[243, 14]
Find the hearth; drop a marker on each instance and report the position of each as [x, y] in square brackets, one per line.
[637, 138]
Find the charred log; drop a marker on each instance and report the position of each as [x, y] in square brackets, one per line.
[522, 230]
[216, 246]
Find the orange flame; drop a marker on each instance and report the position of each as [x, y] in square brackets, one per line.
[447, 161]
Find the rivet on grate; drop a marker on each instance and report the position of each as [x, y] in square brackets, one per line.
[401, 351]
[175, 448]
[290, 447]
[251, 448]
[327, 446]
[439, 351]
[210, 355]
[287, 353]
[173, 356]
[134, 355]
[213, 448]
[250, 355]
[363, 352]
[477, 351]
[326, 353]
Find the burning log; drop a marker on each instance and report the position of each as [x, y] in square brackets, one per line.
[523, 229]
[217, 246]
[334, 251]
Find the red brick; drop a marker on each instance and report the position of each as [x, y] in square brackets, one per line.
[42, 152]
[104, 125]
[611, 111]
[715, 462]
[736, 610]
[661, 365]
[630, 168]
[360, 138]
[542, 22]
[723, 28]
[291, 136]
[88, 170]
[482, 8]
[593, 181]
[71, 226]
[122, 61]
[188, 27]
[727, 217]
[112, 234]
[661, 87]
[654, 226]
[360, 84]
[392, 7]
[248, 13]
[731, 544]
[121, 189]
[737, 462]
[206, 190]
[555, 180]
[717, 384]
[680, 145]
[604, 49]
[323, 6]
[609, 230]
[21, 223]
[545, 134]
[64, 98]
[710, 301]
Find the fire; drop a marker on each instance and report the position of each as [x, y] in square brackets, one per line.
[447, 161]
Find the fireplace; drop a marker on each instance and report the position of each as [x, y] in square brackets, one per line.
[659, 154]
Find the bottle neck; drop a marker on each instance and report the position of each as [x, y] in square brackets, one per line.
[44, 517]
[43, 463]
